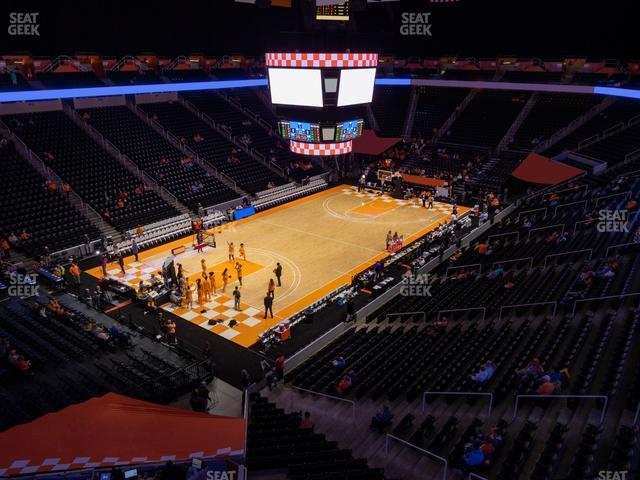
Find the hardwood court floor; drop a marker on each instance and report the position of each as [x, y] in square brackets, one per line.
[321, 241]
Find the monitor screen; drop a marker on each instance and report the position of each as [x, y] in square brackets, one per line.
[332, 10]
[349, 130]
[356, 86]
[304, 131]
[296, 86]
[331, 85]
[196, 463]
[328, 134]
[131, 473]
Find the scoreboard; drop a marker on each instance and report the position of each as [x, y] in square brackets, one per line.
[300, 131]
[348, 130]
[333, 10]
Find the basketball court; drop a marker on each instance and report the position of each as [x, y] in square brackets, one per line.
[321, 241]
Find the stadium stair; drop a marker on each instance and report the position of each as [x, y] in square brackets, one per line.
[251, 152]
[522, 116]
[411, 113]
[575, 124]
[454, 115]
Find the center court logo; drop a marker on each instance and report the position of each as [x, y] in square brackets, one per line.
[613, 221]
[415, 24]
[416, 286]
[24, 24]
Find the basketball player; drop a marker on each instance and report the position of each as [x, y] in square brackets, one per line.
[205, 287]
[232, 255]
[430, 201]
[242, 253]
[200, 291]
[212, 283]
[188, 295]
[225, 279]
[239, 270]
[203, 264]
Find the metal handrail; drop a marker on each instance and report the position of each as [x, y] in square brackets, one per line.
[555, 210]
[618, 246]
[332, 397]
[555, 307]
[534, 210]
[607, 297]
[584, 397]
[446, 275]
[475, 475]
[597, 200]
[484, 311]
[462, 394]
[400, 314]
[574, 189]
[517, 234]
[590, 250]
[426, 452]
[514, 260]
[545, 228]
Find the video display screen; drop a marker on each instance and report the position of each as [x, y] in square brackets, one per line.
[296, 86]
[349, 130]
[337, 10]
[300, 131]
[356, 86]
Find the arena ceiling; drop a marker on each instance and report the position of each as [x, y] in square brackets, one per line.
[468, 28]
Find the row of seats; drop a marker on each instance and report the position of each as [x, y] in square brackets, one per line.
[27, 205]
[89, 170]
[277, 440]
[212, 147]
[70, 363]
[188, 181]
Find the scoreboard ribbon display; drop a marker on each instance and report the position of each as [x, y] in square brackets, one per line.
[321, 149]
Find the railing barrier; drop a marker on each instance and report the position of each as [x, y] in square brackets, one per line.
[607, 297]
[426, 452]
[461, 394]
[572, 252]
[545, 228]
[400, 314]
[583, 397]
[502, 308]
[483, 309]
[332, 397]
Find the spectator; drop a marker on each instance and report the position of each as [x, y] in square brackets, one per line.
[343, 385]
[546, 387]
[485, 372]
[381, 419]
[280, 366]
[339, 362]
[306, 421]
[473, 456]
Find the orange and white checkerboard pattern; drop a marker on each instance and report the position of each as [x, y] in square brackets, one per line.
[320, 149]
[439, 207]
[322, 60]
